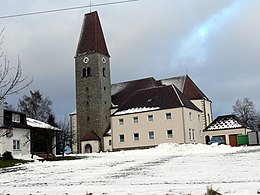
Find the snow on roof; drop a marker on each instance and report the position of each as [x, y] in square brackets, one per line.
[227, 122]
[177, 81]
[136, 110]
[39, 124]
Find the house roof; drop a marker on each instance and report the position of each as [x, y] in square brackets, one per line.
[186, 86]
[91, 38]
[91, 135]
[121, 91]
[108, 131]
[39, 124]
[226, 122]
[163, 97]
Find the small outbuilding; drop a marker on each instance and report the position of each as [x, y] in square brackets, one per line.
[228, 127]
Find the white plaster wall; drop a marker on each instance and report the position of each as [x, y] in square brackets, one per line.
[94, 144]
[160, 126]
[206, 107]
[195, 122]
[107, 147]
[6, 144]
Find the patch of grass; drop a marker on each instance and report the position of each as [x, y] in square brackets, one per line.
[11, 163]
[62, 158]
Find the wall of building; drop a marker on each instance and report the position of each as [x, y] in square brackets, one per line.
[93, 99]
[193, 126]
[19, 135]
[107, 143]
[225, 133]
[206, 107]
[160, 126]
[73, 125]
[95, 145]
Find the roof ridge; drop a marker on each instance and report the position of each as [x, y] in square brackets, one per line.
[173, 86]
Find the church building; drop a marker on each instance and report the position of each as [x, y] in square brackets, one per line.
[133, 114]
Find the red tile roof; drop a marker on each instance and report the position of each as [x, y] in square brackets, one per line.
[90, 136]
[92, 39]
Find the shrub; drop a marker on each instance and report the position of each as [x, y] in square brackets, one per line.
[7, 156]
[210, 191]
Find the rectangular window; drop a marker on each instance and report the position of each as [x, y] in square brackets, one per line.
[135, 120]
[190, 115]
[169, 134]
[151, 135]
[16, 144]
[136, 137]
[191, 134]
[16, 118]
[121, 121]
[150, 118]
[168, 116]
[121, 138]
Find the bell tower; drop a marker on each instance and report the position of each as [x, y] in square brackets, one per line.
[93, 85]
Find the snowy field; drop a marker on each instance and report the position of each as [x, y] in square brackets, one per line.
[166, 169]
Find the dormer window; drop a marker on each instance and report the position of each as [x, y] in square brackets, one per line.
[16, 118]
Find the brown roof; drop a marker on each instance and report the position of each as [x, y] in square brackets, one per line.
[225, 122]
[122, 91]
[107, 131]
[92, 39]
[164, 97]
[91, 135]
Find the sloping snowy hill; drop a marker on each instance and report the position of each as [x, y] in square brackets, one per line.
[166, 169]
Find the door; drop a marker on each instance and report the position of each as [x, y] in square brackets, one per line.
[233, 140]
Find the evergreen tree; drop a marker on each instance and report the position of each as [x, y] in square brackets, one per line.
[36, 106]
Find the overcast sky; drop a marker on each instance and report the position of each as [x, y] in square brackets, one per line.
[217, 42]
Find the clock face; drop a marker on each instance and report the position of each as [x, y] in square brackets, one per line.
[104, 60]
[85, 60]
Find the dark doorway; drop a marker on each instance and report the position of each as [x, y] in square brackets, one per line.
[207, 138]
[88, 148]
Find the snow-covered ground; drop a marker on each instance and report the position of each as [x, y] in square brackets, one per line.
[166, 169]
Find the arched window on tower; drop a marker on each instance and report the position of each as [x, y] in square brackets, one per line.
[88, 71]
[104, 72]
[84, 72]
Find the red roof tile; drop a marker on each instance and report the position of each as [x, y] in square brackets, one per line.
[92, 39]
[90, 136]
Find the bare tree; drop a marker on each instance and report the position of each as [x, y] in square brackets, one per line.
[65, 137]
[245, 111]
[11, 78]
[36, 106]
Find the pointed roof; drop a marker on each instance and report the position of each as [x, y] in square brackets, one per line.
[121, 91]
[91, 135]
[92, 38]
[163, 97]
[226, 122]
[186, 86]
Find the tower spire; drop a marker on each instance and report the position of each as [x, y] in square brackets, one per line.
[92, 39]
